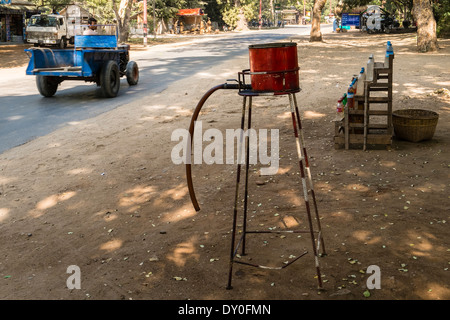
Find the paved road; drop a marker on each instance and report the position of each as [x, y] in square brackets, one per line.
[25, 114]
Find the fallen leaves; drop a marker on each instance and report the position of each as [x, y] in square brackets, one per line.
[403, 269]
[179, 278]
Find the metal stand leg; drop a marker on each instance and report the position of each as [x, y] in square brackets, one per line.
[301, 152]
[308, 171]
[247, 163]
[236, 197]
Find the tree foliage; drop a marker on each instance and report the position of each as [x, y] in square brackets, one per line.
[53, 5]
[235, 12]
[442, 16]
[101, 9]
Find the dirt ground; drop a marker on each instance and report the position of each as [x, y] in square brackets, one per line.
[103, 194]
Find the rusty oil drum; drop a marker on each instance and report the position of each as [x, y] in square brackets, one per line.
[274, 67]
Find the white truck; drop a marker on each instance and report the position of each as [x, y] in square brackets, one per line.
[376, 19]
[56, 29]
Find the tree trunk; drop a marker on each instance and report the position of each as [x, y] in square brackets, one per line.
[426, 26]
[162, 27]
[316, 34]
[242, 24]
[123, 18]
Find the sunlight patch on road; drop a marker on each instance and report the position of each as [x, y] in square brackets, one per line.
[434, 291]
[133, 198]
[79, 171]
[74, 123]
[183, 252]
[14, 118]
[366, 237]
[289, 222]
[313, 115]
[111, 245]
[357, 187]
[185, 212]
[4, 213]
[5, 180]
[49, 202]
[285, 115]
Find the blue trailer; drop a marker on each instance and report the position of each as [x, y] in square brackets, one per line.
[94, 58]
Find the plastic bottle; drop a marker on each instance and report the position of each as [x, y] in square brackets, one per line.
[354, 83]
[389, 49]
[389, 52]
[339, 107]
[360, 83]
[344, 100]
[350, 95]
[370, 65]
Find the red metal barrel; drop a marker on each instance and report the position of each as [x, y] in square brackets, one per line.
[274, 67]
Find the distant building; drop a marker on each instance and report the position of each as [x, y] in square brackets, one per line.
[190, 18]
[75, 12]
[13, 16]
[290, 16]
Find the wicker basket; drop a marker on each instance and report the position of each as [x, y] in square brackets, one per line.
[414, 124]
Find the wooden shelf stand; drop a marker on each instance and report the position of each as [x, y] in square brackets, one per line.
[370, 122]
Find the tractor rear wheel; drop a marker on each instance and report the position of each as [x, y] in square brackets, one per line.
[110, 79]
[47, 86]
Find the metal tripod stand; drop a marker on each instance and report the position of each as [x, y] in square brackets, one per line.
[305, 174]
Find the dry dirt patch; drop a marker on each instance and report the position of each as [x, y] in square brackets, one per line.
[103, 194]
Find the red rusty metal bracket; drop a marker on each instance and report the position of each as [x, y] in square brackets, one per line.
[194, 118]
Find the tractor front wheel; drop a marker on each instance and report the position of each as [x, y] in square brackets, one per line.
[132, 73]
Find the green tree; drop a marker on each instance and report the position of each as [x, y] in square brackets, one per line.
[101, 9]
[237, 13]
[442, 15]
[54, 5]
[214, 10]
[165, 10]
[118, 11]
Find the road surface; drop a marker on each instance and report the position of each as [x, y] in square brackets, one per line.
[25, 114]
